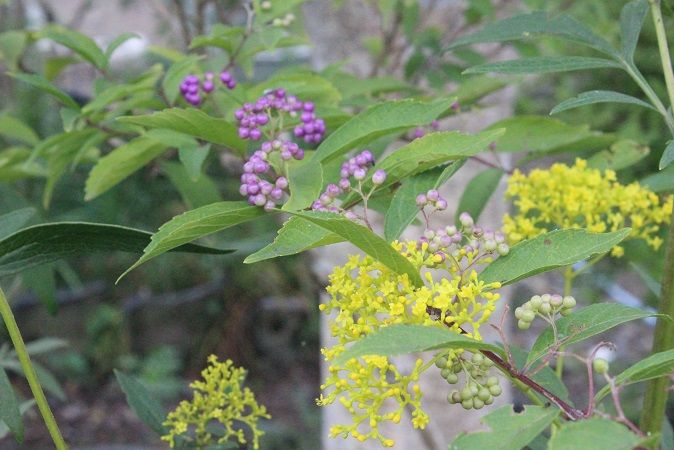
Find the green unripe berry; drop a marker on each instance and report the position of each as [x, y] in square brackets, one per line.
[474, 388]
[565, 311]
[492, 381]
[456, 368]
[477, 403]
[518, 312]
[441, 362]
[483, 394]
[452, 378]
[477, 358]
[535, 302]
[545, 298]
[495, 390]
[600, 365]
[556, 301]
[568, 302]
[489, 401]
[522, 325]
[487, 363]
[454, 397]
[545, 308]
[466, 394]
[528, 316]
[467, 404]
[444, 372]
[474, 373]
[503, 249]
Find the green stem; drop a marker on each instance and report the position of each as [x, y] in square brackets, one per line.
[29, 372]
[655, 398]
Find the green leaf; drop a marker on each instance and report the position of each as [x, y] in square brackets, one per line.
[305, 180]
[12, 45]
[592, 97]
[477, 193]
[403, 208]
[649, 281]
[46, 243]
[45, 345]
[193, 122]
[46, 379]
[193, 159]
[477, 87]
[510, 430]
[9, 407]
[47, 86]
[13, 128]
[14, 220]
[654, 366]
[400, 339]
[584, 324]
[77, 42]
[604, 434]
[23, 408]
[537, 23]
[549, 251]
[364, 239]
[620, 155]
[120, 164]
[175, 74]
[195, 193]
[667, 156]
[146, 407]
[297, 235]
[304, 85]
[377, 121]
[631, 20]
[662, 181]
[544, 64]
[194, 224]
[117, 42]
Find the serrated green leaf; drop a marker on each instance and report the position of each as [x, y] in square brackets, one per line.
[9, 407]
[146, 407]
[662, 181]
[194, 224]
[654, 366]
[195, 193]
[305, 180]
[47, 86]
[544, 64]
[620, 155]
[14, 220]
[631, 19]
[13, 128]
[593, 97]
[477, 193]
[604, 434]
[377, 121]
[193, 159]
[46, 243]
[510, 430]
[667, 156]
[550, 251]
[117, 42]
[193, 122]
[120, 164]
[400, 339]
[175, 74]
[534, 24]
[585, 323]
[296, 236]
[79, 43]
[364, 239]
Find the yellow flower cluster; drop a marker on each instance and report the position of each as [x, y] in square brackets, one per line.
[365, 296]
[219, 397]
[581, 197]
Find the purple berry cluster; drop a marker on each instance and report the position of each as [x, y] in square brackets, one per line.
[191, 86]
[431, 198]
[254, 115]
[421, 131]
[259, 191]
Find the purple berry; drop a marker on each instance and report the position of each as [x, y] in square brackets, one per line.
[379, 177]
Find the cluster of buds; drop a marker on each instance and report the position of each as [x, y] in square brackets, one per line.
[254, 115]
[192, 87]
[421, 131]
[284, 21]
[479, 388]
[546, 306]
[356, 167]
[433, 199]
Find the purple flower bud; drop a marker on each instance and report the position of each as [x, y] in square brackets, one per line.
[455, 106]
[282, 182]
[419, 132]
[344, 184]
[433, 195]
[466, 220]
[266, 147]
[368, 155]
[421, 200]
[286, 155]
[359, 174]
[276, 193]
[441, 204]
[260, 200]
[325, 199]
[266, 188]
[379, 177]
[435, 125]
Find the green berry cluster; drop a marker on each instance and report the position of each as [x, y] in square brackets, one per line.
[546, 306]
[479, 388]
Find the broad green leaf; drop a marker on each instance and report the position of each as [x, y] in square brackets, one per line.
[537, 23]
[510, 430]
[194, 224]
[195, 193]
[364, 239]
[550, 251]
[667, 156]
[13, 128]
[41, 281]
[622, 154]
[604, 434]
[120, 164]
[544, 64]
[477, 87]
[175, 74]
[12, 45]
[584, 324]
[400, 339]
[631, 19]
[449, 172]
[46, 243]
[377, 121]
[662, 181]
[15, 165]
[14, 220]
[351, 86]
[117, 42]
[296, 236]
[77, 42]
[592, 97]
[654, 366]
[57, 64]
[477, 193]
[146, 407]
[403, 208]
[649, 281]
[193, 159]
[9, 407]
[305, 180]
[47, 86]
[193, 122]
